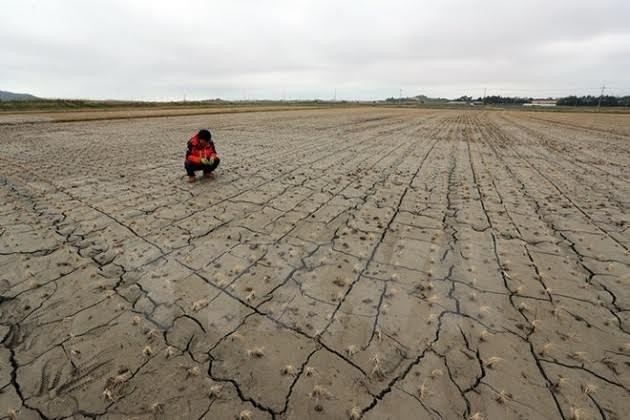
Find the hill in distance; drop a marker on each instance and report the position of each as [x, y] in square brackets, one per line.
[10, 96]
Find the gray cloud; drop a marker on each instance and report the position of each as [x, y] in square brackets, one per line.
[234, 49]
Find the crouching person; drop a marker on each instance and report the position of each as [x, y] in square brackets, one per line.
[201, 156]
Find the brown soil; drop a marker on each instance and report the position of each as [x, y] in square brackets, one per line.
[377, 264]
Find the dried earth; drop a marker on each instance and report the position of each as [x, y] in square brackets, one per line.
[343, 264]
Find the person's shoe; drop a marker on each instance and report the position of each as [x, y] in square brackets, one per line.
[209, 175]
[192, 178]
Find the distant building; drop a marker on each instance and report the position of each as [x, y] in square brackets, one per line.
[542, 102]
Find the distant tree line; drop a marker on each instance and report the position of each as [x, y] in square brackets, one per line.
[592, 101]
[506, 100]
[417, 99]
[496, 100]
[589, 100]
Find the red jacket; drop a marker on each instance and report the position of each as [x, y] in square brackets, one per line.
[196, 151]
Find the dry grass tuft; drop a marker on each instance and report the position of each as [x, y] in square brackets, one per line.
[580, 356]
[193, 371]
[355, 413]
[492, 362]
[432, 300]
[577, 413]
[483, 310]
[535, 324]
[319, 393]
[215, 391]
[589, 389]
[423, 390]
[558, 384]
[108, 394]
[503, 397]
[288, 370]
[245, 415]
[157, 408]
[152, 333]
[170, 352]
[199, 304]
[546, 348]
[340, 282]
[377, 367]
[310, 371]
[352, 349]
[391, 292]
[256, 352]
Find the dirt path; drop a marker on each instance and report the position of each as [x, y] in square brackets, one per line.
[376, 264]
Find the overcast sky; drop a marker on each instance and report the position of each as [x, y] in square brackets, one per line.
[237, 49]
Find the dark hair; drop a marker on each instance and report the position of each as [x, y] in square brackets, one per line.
[204, 135]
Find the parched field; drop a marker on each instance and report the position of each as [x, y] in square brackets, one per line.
[344, 264]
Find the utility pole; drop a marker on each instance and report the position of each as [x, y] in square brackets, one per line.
[599, 104]
[484, 95]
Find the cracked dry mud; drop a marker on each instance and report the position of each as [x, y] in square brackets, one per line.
[365, 263]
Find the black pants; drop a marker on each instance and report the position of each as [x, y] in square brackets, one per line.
[192, 167]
